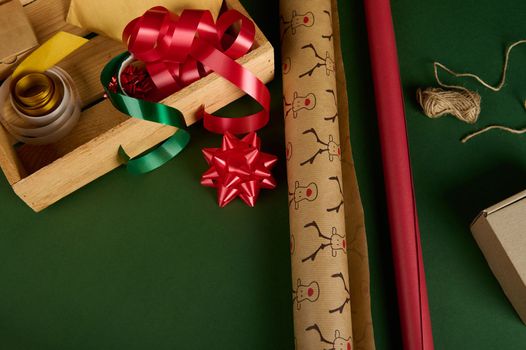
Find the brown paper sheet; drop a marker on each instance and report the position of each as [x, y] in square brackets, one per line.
[328, 245]
[109, 17]
[359, 280]
[16, 33]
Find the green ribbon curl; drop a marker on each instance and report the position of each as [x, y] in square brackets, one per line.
[150, 111]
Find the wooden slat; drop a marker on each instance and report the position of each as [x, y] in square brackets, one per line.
[88, 162]
[94, 122]
[85, 65]
[9, 162]
[34, 158]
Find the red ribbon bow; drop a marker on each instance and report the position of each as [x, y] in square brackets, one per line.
[238, 168]
[179, 50]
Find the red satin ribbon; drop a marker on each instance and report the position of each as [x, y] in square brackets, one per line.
[179, 50]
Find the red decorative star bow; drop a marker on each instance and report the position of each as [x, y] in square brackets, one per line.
[239, 168]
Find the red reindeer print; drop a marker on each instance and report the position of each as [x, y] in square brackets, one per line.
[339, 343]
[337, 207]
[347, 299]
[296, 21]
[326, 62]
[301, 193]
[307, 102]
[286, 65]
[330, 35]
[335, 242]
[292, 244]
[305, 292]
[288, 151]
[331, 147]
[333, 117]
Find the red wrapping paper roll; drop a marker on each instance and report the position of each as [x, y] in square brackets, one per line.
[405, 235]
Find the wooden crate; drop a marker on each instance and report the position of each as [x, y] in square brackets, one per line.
[42, 175]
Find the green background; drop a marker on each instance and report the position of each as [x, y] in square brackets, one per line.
[151, 262]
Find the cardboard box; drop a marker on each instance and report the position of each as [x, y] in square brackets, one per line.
[17, 35]
[42, 175]
[500, 232]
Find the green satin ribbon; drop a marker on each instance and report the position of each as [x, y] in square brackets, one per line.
[150, 111]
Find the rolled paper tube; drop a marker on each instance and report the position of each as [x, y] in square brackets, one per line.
[56, 121]
[321, 298]
[405, 235]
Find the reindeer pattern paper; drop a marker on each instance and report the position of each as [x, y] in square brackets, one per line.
[321, 293]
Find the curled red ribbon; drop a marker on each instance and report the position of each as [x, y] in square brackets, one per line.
[179, 50]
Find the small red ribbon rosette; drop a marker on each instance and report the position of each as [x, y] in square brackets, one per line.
[239, 168]
[178, 50]
[135, 81]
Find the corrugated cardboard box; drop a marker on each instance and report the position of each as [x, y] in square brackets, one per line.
[500, 232]
[16, 35]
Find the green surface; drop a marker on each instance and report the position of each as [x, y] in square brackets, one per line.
[151, 262]
[453, 181]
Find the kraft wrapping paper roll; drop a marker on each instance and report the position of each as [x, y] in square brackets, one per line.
[320, 247]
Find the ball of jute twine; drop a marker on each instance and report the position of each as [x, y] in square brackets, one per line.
[460, 102]
[437, 102]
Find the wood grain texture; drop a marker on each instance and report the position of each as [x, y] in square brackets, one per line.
[95, 121]
[9, 162]
[88, 162]
[85, 65]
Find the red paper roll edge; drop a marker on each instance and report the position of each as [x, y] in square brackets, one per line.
[405, 236]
